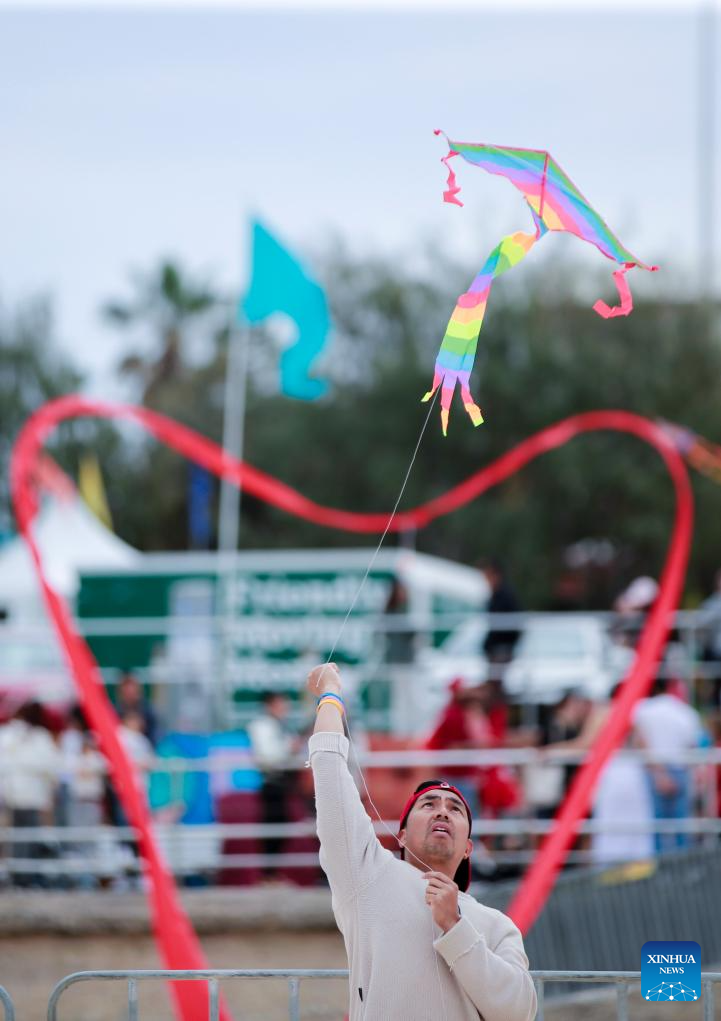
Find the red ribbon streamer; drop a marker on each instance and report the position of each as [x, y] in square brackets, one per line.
[537, 884]
[174, 933]
[175, 936]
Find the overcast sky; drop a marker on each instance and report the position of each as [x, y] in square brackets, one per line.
[130, 134]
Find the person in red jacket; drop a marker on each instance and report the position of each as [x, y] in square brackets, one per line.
[462, 725]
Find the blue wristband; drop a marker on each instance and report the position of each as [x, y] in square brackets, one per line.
[331, 694]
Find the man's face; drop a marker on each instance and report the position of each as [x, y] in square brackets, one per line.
[437, 831]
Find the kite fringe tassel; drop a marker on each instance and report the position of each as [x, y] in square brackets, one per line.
[453, 189]
[449, 380]
[624, 292]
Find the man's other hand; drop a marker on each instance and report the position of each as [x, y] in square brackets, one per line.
[442, 898]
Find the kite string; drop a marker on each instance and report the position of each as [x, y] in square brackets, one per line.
[338, 637]
[377, 550]
[360, 588]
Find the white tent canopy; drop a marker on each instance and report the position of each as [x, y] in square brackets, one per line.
[71, 540]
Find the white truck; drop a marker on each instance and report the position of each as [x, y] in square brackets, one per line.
[215, 631]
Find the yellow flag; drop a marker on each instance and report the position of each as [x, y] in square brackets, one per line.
[92, 490]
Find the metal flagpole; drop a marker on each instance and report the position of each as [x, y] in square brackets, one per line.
[236, 377]
[707, 148]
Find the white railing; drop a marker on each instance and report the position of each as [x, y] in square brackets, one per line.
[105, 850]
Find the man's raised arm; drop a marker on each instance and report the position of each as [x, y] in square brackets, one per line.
[350, 854]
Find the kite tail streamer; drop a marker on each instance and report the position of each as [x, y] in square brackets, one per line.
[706, 458]
[624, 293]
[458, 348]
[453, 189]
[449, 195]
[702, 455]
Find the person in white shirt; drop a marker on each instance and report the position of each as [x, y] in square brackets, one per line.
[622, 797]
[30, 772]
[668, 727]
[82, 789]
[84, 771]
[137, 745]
[419, 947]
[272, 746]
[142, 756]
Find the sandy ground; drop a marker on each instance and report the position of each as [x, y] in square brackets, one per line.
[31, 965]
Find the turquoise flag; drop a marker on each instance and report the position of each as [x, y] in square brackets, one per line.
[280, 284]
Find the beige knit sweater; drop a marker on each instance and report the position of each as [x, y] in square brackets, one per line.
[402, 967]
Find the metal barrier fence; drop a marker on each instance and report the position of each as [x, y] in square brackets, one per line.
[605, 915]
[105, 851]
[621, 980]
[294, 977]
[64, 852]
[9, 1010]
[437, 648]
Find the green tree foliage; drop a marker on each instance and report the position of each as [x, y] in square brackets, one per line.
[167, 303]
[175, 370]
[31, 372]
[539, 361]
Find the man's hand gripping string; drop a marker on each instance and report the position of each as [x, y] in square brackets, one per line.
[325, 684]
[442, 898]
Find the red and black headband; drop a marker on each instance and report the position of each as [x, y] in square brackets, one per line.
[432, 785]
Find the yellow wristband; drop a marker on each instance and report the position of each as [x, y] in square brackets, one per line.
[330, 701]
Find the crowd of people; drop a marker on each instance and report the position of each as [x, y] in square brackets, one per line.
[633, 791]
[55, 775]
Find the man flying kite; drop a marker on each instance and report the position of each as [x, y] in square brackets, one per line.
[419, 946]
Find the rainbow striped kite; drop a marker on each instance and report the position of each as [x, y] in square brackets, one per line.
[556, 204]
